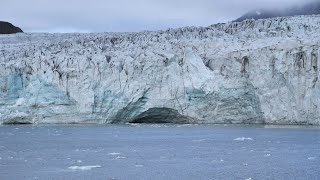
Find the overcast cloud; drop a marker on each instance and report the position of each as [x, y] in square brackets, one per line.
[126, 15]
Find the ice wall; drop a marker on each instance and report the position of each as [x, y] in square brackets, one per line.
[263, 71]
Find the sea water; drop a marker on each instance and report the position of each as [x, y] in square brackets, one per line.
[139, 151]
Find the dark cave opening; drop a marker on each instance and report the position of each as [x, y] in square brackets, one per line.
[160, 116]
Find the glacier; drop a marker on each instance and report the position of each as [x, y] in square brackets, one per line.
[250, 72]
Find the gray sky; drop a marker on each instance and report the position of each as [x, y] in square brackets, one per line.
[125, 15]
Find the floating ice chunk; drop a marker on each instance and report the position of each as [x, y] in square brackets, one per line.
[248, 179]
[311, 158]
[79, 161]
[243, 139]
[84, 168]
[114, 153]
[258, 12]
[138, 165]
[121, 157]
[267, 155]
[200, 140]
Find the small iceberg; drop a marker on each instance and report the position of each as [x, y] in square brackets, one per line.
[84, 168]
[243, 139]
[121, 157]
[200, 140]
[311, 158]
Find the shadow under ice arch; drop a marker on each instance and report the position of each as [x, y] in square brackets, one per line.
[161, 115]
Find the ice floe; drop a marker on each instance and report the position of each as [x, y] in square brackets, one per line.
[121, 157]
[311, 158]
[200, 140]
[243, 139]
[84, 168]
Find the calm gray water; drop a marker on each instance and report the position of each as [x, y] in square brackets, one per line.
[158, 152]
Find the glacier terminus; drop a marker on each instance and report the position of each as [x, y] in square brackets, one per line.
[250, 72]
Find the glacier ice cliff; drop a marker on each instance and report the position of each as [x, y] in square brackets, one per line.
[251, 72]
